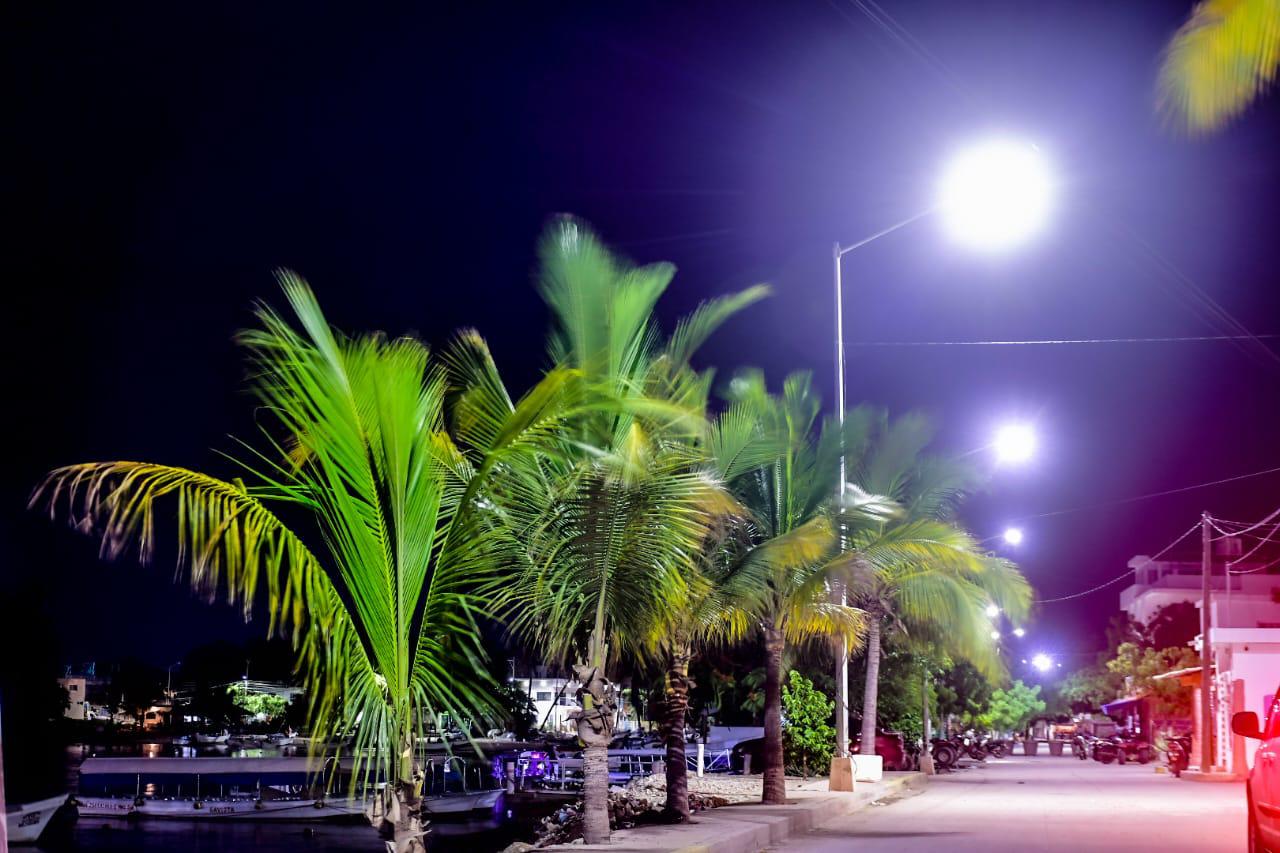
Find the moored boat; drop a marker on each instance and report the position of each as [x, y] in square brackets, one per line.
[25, 823]
[207, 789]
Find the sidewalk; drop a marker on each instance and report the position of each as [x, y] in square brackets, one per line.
[748, 828]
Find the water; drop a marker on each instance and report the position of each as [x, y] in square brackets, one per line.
[475, 834]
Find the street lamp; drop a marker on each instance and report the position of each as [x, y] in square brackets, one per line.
[1019, 632]
[1042, 662]
[1013, 536]
[1014, 443]
[992, 196]
[992, 611]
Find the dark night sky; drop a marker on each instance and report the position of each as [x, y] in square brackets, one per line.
[166, 159]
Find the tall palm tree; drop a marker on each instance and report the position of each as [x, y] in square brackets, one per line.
[937, 589]
[1220, 61]
[378, 571]
[609, 524]
[778, 584]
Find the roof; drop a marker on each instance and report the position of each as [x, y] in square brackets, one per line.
[192, 766]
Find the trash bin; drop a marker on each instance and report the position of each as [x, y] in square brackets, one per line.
[1029, 746]
[1055, 747]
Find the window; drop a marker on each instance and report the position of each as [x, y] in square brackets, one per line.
[544, 696]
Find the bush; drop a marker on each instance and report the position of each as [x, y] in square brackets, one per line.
[807, 735]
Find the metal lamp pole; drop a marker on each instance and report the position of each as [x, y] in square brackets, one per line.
[839, 594]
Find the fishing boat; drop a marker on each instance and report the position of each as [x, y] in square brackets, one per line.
[208, 789]
[26, 823]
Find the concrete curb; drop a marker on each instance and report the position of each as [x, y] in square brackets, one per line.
[748, 828]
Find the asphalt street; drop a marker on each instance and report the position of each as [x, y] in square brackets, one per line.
[1044, 804]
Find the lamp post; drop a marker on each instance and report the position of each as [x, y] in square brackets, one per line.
[992, 196]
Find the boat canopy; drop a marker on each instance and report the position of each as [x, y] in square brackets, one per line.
[230, 770]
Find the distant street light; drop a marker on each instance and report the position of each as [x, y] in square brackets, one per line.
[995, 635]
[1013, 536]
[1042, 662]
[1014, 443]
[992, 611]
[1019, 632]
[991, 196]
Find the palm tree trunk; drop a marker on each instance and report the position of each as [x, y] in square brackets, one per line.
[595, 794]
[869, 692]
[775, 783]
[407, 831]
[675, 708]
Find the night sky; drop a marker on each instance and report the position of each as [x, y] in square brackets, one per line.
[165, 159]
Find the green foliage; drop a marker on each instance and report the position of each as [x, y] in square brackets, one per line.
[267, 705]
[1137, 667]
[808, 736]
[963, 692]
[516, 710]
[1011, 709]
[1220, 61]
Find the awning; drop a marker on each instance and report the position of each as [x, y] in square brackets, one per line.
[1121, 706]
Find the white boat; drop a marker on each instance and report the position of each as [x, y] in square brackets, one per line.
[209, 740]
[26, 823]
[207, 789]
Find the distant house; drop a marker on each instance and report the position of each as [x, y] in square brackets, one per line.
[1244, 637]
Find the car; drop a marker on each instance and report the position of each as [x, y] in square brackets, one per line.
[1263, 788]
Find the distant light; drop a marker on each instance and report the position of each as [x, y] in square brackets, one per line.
[992, 611]
[1018, 632]
[1013, 535]
[1015, 443]
[995, 635]
[996, 194]
[1042, 662]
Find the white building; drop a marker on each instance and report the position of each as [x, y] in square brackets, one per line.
[554, 699]
[1244, 636]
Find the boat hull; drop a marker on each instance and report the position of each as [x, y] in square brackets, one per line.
[460, 803]
[28, 822]
[238, 810]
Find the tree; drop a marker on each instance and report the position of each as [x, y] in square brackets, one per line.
[610, 524]
[808, 734]
[1138, 667]
[1219, 62]
[1012, 708]
[963, 692]
[357, 451]
[914, 573]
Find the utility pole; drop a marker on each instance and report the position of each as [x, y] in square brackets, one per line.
[1206, 654]
[839, 594]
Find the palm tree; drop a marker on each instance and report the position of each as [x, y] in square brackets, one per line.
[777, 585]
[361, 462]
[934, 584]
[1220, 61]
[610, 522]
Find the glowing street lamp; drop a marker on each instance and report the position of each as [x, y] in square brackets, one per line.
[995, 635]
[996, 194]
[1013, 536]
[991, 196]
[1019, 632]
[1014, 443]
[992, 611]
[1042, 662]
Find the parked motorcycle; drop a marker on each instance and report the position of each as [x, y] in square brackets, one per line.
[1081, 746]
[1122, 749]
[1177, 754]
[945, 754]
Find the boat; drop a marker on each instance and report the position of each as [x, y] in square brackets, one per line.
[457, 802]
[210, 740]
[26, 823]
[208, 789]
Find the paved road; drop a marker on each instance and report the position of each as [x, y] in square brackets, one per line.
[1045, 804]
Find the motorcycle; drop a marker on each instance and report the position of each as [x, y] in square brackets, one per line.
[995, 747]
[1080, 746]
[1178, 754]
[945, 754]
[1122, 750]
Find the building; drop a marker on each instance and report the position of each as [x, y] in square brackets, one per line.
[1244, 636]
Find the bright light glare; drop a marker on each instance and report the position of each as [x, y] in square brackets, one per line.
[1013, 536]
[995, 635]
[1014, 443]
[1018, 632]
[996, 194]
[1042, 662]
[992, 611]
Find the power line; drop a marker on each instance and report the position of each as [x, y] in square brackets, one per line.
[1125, 574]
[1060, 341]
[1152, 495]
